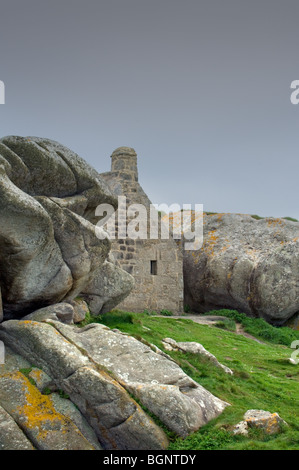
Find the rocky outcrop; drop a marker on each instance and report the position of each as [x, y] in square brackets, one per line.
[63, 312]
[108, 287]
[106, 375]
[112, 415]
[11, 436]
[245, 264]
[194, 348]
[270, 423]
[36, 416]
[49, 251]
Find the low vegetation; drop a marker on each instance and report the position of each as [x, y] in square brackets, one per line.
[258, 217]
[258, 327]
[263, 376]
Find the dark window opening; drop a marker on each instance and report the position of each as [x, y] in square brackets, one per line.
[154, 268]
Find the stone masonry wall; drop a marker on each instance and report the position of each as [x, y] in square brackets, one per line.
[156, 265]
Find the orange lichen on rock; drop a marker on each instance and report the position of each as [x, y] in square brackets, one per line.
[38, 410]
[270, 422]
[37, 417]
[274, 222]
[209, 243]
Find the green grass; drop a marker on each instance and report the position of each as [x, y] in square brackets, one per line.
[257, 217]
[226, 324]
[113, 319]
[166, 313]
[260, 328]
[291, 219]
[263, 377]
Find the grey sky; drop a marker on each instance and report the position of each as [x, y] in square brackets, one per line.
[200, 89]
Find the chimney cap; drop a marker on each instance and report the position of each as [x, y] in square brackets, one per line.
[130, 152]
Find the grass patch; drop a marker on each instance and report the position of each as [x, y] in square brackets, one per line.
[62, 394]
[263, 377]
[166, 313]
[260, 328]
[112, 319]
[226, 324]
[291, 219]
[258, 217]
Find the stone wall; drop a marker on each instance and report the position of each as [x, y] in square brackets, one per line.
[156, 265]
[157, 270]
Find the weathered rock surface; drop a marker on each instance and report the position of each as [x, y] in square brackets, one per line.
[40, 408]
[194, 348]
[68, 409]
[81, 309]
[49, 250]
[41, 380]
[35, 415]
[270, 423]
[63, 312]
[109, 286]
[13, 362]
[160, 385]
[116, 419]
[245, 264]
[11, 436]
[101, 369]
[241, 428]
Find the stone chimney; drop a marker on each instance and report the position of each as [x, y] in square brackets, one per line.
[124, 162]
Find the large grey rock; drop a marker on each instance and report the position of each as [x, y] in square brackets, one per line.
[11, 436]
[35, 415]
[270, 423]
[49, 250]
[68, 409]
[13, 362]
[115, 417]
[41, 380]
[245, 264]
[159, 383]
[194, 348]
[241, 428]
[81, 309]
[63, 312]
[109, 286]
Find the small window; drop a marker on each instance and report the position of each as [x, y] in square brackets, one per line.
[154, 268]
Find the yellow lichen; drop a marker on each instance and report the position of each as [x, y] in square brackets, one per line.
[36, 374]
[274, 222]
[38, 410]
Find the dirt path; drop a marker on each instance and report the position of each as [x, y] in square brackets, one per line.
[240, 331]
[211, 320]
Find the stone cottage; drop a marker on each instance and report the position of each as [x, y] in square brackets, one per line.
[156, 264]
